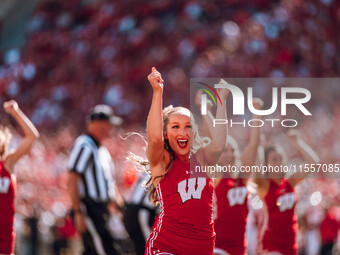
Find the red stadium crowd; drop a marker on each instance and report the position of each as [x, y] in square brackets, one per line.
[78, 54]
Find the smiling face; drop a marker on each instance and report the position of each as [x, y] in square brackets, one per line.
[178, 133]
[274, 158]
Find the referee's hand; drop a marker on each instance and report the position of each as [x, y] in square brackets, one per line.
[79, 222]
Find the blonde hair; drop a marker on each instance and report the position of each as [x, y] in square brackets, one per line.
[196, 143]
[5, 138]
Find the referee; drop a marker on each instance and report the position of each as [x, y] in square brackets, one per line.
[91, 186]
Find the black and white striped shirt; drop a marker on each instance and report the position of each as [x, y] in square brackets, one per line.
[139, 195]
[94, 164]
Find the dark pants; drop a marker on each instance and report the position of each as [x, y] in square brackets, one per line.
[98, 239]
[327, 248]
[133, 226]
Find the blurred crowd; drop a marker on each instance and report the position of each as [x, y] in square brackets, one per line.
[81, 53]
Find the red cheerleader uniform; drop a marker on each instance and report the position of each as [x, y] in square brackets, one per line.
[184, 225]
[279, 225]
[7, 193]
[232, 212]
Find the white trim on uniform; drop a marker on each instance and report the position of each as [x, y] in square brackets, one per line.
[160, 219]
[143, 218]
[264, 227]
[218, 251]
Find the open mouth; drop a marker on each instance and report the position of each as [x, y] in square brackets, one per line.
[182, 143]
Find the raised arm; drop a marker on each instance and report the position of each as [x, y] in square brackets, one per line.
[207, 120]
[213, 151]
[250, 152]
[308, 154]
[208, 130]
[155, 149]
[30, 132]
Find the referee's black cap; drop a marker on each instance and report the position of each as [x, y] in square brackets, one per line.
[104, 112]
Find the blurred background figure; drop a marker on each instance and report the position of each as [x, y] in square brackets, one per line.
[231, 192]
[329, 231]
[91, 185]
[64, 232]
[8, 159]
[279, 199]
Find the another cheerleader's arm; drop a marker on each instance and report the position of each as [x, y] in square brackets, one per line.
[30, 132]
[213, 151]
[250, 152]
[207, 131]
[308, 154]
[207, 120]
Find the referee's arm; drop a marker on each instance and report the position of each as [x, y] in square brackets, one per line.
[77, 163]
[75, 198]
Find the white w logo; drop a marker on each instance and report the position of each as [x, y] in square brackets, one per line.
[286, 202]
[237, 196]
[4, 184]
[191, 188]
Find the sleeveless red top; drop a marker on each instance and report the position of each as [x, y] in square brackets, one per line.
[7, 194]
[279, 226]
[184, 225]
[232, 212]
